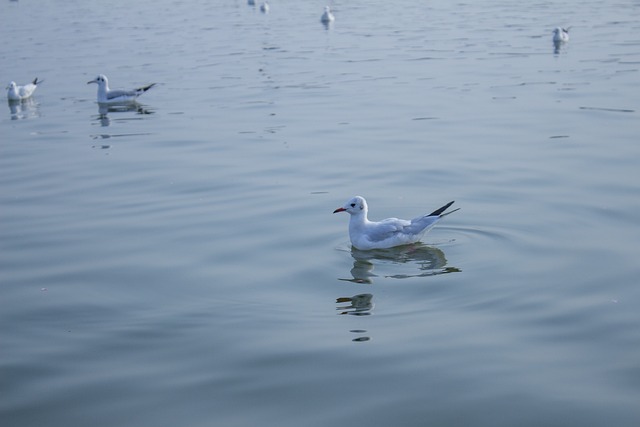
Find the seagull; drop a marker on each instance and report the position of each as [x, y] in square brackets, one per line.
[327, 16]
[108, 96]
[390, 232]
[264, 7]
[560, 35]
[20, 93]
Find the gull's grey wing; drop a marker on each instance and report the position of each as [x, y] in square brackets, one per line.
[118, 93]
[129, 93]
[387, 228]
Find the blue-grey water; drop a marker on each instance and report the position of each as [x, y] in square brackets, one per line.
[178, 264]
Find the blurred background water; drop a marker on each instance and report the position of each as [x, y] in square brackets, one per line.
[177, 263]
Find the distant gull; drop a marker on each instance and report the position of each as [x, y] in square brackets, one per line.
[108, 96]
[264, 7]
[327, 16]
[390, 232]
[20, 93]
[560, 35]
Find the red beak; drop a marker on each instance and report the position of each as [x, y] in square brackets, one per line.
[339, 210]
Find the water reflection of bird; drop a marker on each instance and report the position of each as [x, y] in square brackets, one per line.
[25, 109]
[430, 261]
[105, 109]
[358, 305]
[390, 232]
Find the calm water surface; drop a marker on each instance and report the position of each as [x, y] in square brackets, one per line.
[177, 264]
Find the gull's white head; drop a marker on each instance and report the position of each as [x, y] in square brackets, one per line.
[11, 86]
[355, 206]
[101, 80]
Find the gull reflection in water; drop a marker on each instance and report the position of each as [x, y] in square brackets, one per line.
[557, 45]
[428, 260]
[24, 109]
[357, 305]
[105, 109]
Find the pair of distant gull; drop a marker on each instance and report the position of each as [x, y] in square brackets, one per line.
[105, 95]
[326, 17]
[264, 7]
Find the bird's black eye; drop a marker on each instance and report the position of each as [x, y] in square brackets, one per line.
[353, 205]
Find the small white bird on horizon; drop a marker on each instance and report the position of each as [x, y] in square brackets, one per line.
[20, 93]
[108, 96]
[264, 7]
[327, 16]
[560, 35]
[390, 232]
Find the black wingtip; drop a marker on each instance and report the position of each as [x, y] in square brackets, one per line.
[438, 212]
[35, 81]
[146, 88]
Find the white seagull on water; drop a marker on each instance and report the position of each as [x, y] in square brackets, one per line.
[327, 16]
[390, 232]
[560, 35]
[108, 96]
[264, 7]
[20, 93]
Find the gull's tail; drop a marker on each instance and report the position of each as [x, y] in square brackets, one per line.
[440, 212]
[145, 88]
[36, 82]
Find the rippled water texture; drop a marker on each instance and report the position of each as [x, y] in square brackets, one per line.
[177, 263]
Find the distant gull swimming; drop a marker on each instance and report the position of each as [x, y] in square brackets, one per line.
[264, 7]
[560, 35]
[390, 232]
[108, 96]
[327, 16]
[20, 93]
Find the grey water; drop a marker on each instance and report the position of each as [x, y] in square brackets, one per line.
[177, 263]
